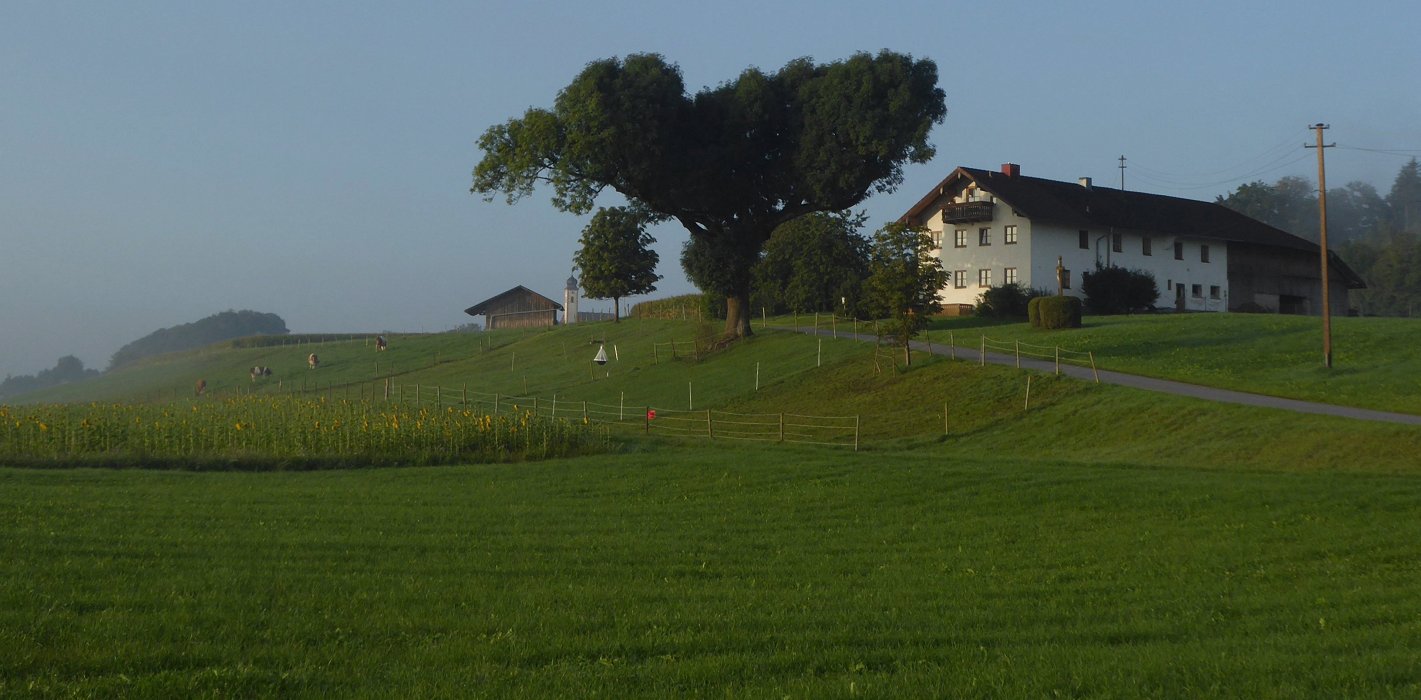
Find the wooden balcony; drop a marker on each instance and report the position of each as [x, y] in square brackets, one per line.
[967, 212]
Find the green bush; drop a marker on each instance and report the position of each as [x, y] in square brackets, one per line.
[1058, 312]
[1033, 312]
[1007, 301]
[1116, 290]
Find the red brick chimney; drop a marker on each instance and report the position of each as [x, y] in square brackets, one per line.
[1011, 169]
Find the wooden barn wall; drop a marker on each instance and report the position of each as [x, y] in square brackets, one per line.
[1264, 276]
[537, 319]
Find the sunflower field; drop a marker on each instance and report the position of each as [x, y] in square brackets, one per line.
[281, 432]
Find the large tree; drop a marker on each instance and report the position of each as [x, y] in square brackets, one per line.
[905, 277]
[730, 163]
[616, 258]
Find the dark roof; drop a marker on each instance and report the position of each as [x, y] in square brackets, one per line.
[1074, 205]
[482, 306]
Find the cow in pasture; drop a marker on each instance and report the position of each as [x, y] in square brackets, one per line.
[201, 387]
[380, 344]
[312, 361]
[260, 372]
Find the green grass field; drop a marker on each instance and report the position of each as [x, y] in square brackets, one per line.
[713, 571]
[1098, 542]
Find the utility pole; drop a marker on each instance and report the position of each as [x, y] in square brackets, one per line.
[1122, 173]
[1322, 243]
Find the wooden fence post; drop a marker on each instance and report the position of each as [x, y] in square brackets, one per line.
[1018, 354]
[710, 432]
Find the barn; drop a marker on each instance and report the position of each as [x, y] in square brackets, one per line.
[519, 307]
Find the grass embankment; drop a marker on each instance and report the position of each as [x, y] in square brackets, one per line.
[1376, 361]
[749, 572]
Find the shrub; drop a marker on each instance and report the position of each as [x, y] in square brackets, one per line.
[1007, 301]
[1116, 290]
[1058, 312]
[1033, 312]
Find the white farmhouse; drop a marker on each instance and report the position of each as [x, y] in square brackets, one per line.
[994, 228]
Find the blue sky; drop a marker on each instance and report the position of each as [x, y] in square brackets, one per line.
[161, 162]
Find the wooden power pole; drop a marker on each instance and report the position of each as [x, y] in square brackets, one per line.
[1322, 243]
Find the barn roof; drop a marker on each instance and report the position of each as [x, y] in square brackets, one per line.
[1074, 205]
[520, 290]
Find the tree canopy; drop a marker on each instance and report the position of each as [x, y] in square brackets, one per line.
[729, 163]
[615, 258]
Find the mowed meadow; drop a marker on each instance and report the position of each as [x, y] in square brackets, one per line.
[1092, 542]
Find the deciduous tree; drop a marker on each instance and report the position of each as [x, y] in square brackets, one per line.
[730, 163]
[903, 282]
[616, 258]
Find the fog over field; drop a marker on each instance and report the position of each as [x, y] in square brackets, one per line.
[161, 162]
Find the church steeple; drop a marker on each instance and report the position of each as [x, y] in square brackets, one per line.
[569, 299]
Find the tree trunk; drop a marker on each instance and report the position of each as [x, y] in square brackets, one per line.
[908, 352]
[737, 315]
[616, 309]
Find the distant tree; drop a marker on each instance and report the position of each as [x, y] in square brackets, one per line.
[1116, 290]
[68, 369]
[903, 282]
[1354, 212]
[616, 258]
[814, 263]
[215, 328]
[1289, 204]
[730, 163]
[1405, 199]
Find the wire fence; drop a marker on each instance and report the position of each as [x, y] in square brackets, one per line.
[1050, 353]
[833, 431]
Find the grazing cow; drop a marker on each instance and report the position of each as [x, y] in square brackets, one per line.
[312, 361]
[260, 372]
[380, 344]
[201, 387]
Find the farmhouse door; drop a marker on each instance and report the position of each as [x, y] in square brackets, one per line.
[1178, 297]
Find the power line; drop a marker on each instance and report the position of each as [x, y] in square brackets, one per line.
[1277, 164]
[1281, 148]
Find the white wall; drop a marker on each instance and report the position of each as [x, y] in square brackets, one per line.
[1034, 256]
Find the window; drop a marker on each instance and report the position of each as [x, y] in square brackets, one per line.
[959, 238]
[1145, 246]
[1179, 250]
[1009, 237]
[1065, 279]
[984, 277]
[1117, 242]
[1203, 253]
[1196, 291]
[959, 279]
[984, 236]
[1213, 291]
[937, 239]
[1009, 275]
[1085, 240]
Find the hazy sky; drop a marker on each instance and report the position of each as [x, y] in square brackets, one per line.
[161, 162]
